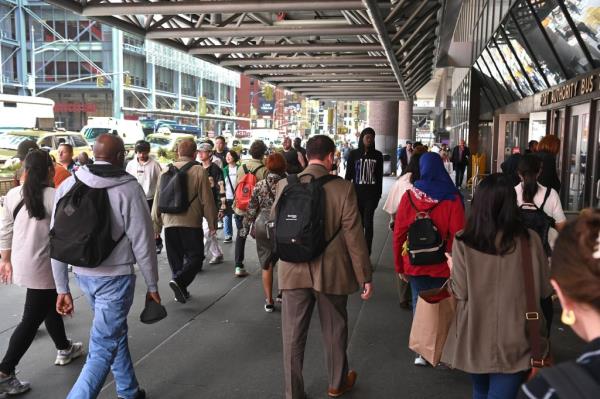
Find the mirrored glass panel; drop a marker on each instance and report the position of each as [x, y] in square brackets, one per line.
[586, 16]
[537, 43]
[518, 43]
[485, 58]
[513, 64]
[562, 37]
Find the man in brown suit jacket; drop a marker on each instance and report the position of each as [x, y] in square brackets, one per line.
[341, 270]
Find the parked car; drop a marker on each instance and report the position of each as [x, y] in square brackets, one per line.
[45, 139]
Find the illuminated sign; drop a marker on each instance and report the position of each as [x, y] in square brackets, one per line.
[580, 87]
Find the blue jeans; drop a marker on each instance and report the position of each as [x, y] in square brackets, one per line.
[228, 225]
[111, 299]
[496, 385]
[423, 283]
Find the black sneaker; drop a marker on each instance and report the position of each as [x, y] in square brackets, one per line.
[141, 394]
[178, 291]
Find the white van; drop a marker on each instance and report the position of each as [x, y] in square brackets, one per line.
[22, 112]
[130, 131]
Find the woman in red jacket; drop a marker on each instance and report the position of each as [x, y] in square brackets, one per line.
[433, 193]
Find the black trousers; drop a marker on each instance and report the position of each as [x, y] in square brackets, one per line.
[40, 307]
[367, 206]
[185, 253]
[460, 173]
[240, 242]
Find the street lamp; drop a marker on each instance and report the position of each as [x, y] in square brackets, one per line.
[41, 49]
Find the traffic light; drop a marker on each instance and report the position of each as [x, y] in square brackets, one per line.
[100, 81]
[128, 80]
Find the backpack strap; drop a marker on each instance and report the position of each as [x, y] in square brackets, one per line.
[246, 171]
[571, 380]
[188, 166]
[18, 208]
[257, 169]
[293, 179]
[412, 204]
[532, 316]
[545, 198]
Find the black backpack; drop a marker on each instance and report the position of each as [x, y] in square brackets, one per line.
[536, 219]
[425, 244]
[300, 220]
[571, 380]
[173, 191]
[81, 235]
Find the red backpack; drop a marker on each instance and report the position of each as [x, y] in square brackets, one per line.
[244, 188]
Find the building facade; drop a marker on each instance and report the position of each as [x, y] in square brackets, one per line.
[91, 69]
[534, 71]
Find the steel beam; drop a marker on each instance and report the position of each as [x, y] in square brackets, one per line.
[384, 39]
[304, 71]
[394, 11]
[409, 21]
[217, 7]
[287, 48]
[301, 85]
[304, 61]
[345, 78]
[350, 89]
[419, 55]
[354, 92]
[261, 30]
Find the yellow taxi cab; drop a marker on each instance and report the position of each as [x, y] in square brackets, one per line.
[9, 142]
[165, 143]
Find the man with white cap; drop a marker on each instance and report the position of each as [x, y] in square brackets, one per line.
[217, 185]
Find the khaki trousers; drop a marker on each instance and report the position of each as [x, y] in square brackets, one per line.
[296, 312]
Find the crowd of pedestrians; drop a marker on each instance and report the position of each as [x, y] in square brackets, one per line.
[317, 228]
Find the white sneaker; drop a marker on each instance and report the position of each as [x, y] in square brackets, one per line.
[240, 272]
[216, 260]
[419, 361]
[66, 356]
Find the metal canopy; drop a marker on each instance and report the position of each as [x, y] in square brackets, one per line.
[361, 49]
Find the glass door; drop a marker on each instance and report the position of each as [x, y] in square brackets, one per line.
[576, 162]
[595, 189]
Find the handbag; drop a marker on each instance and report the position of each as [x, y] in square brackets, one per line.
[433, 317]
[532, 316]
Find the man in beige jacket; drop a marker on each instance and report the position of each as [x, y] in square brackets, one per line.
[184, 236]
[342, 269]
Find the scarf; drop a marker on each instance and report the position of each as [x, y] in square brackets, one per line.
[435, 180]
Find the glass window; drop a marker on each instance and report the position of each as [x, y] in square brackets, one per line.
[486, 82]
[488, 66]
[538, 43]
[512, 34]
[78, 141]
[586, 15]
[505, 74]
[46, 142]
[562, 37]
[513, 64]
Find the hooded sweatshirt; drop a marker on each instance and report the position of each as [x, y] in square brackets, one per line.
[365, 170]
[129, 215]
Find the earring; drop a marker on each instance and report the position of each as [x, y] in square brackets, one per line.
[568, 317]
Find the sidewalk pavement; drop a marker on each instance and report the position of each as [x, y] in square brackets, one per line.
[222, 344]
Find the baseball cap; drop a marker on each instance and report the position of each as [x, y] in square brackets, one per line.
[205, 147]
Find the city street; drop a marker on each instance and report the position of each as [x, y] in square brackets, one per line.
[222, 344]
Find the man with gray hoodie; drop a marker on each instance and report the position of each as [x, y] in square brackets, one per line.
[110, 287]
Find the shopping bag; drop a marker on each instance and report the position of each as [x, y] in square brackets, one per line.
[434, 315]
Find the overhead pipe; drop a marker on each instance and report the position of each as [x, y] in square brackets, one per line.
[384, 39]
[302, 71]
[350, 60]
[253, 30]
[395, 11]
[346, 78]
[409, 21]
[286, 48]
[219, 7]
